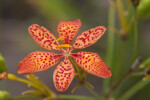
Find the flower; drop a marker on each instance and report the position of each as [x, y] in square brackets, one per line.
[64, 72]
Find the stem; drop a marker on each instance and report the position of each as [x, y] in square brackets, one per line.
[76, 66]
[144, 63]
[91, 91]
[14, 78]
[35, 80]
[132, 69]
[77, 86]
[82, 75]
[135, 37]
[33, 92]
[130, 25]
[110, 43]
[89, 84]
[134, 89]
[113, 87]
[26, 96]
[75, 97]
[120, 10]
[119, 61]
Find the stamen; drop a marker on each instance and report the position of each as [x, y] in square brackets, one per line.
[60, 38]
[64, 45]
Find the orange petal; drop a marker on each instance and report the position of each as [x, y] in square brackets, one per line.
[38, 61]
[89, 37]
[92, 63]
[43, 37]
[63, 75]
[68, 29]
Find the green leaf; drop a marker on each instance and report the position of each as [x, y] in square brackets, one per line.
[143, 10]
[134, 89]
[2, 64]
[4, 95]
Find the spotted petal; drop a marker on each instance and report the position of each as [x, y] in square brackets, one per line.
[89, 37]
[43, 37]
[92, 63]
[68, 29]
[38, 61]
[63, 75]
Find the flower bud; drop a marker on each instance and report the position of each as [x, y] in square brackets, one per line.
[4, 95]
[12, 77]
[3, 75]
[2, 64]
[143, 10]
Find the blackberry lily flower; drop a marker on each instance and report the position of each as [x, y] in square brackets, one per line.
[64, 72]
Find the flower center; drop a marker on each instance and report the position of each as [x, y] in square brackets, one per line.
[67, 51]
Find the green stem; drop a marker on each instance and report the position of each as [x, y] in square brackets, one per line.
[120, 10]
[89, 84]
[14, 78]
[113, 87]
[74, 97]
[77, 86]
[91, 91]
[82, 75]
[35, 80]
[125, 76]
[31, 92]
[146, 62]
[110, 44]
[26, 96]
[134, 89]
[117, 69]
[135, 38]
[76, 66]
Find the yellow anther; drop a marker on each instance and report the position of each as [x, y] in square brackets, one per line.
[64, 45]
[60, 38]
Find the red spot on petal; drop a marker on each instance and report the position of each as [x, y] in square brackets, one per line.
[89, 37]
[38, 61]
[63, 75]
[92, 63]
[68, 29]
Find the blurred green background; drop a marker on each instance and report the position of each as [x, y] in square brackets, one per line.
[16, 43]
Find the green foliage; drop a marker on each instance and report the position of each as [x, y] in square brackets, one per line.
[2, 64]
[143, 9]
[138, 86]
[4, 95]
[57, 9]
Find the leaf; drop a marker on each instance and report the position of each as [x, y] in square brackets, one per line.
[2, 64]
[143, 10]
